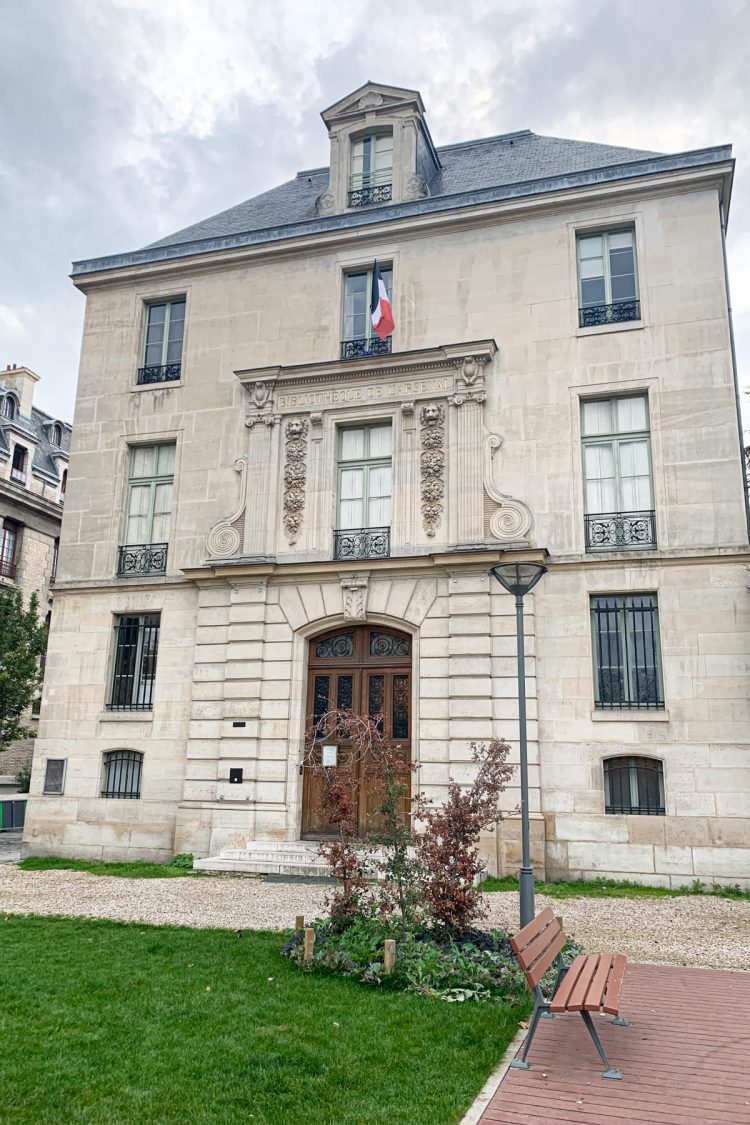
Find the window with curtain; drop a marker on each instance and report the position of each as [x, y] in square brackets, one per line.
[618, 489]
[364, 477]
[149, 500]
[634, 786]
[371, 170]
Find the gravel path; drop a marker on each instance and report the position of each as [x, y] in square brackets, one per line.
[706, 932]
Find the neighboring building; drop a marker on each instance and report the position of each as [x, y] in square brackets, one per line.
[34, 451]
[271, 510]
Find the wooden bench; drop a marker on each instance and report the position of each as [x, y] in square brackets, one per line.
[593, 983]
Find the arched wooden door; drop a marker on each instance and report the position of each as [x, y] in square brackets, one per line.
[365, 668]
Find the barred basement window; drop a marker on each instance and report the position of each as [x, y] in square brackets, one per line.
[634, 786]
[627, 656]
[122, 774]
[54, 776]
[134, 671]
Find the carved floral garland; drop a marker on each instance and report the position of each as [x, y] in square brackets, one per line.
[432, 466]
[295, 477]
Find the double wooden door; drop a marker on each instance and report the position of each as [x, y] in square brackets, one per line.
[366, 669]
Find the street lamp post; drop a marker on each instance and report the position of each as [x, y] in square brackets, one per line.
[518, 579]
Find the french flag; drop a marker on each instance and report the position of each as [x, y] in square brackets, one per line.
[380, 306]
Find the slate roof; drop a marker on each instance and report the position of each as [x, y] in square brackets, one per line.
[469, 166]
[38, 429]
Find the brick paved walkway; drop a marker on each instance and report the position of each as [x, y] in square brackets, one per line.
[685, 1058]
[10, 847]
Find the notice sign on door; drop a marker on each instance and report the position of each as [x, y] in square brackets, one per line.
[330, 755]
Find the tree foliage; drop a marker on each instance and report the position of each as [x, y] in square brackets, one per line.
[23, 640]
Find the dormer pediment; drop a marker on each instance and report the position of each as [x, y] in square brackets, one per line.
[373, 98]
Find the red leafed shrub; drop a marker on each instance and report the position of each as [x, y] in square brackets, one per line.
[447, 848]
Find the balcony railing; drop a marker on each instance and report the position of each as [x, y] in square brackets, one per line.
[137, 560]
[370, 193]
[615, 531]
[592, 315]
[159, 373]
[19, 475]
[362, 543]
[362, 348]
[7, 568]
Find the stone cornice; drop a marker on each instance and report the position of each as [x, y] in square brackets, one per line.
[712, 167]
[31, 501]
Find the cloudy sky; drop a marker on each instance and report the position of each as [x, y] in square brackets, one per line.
[123, 120]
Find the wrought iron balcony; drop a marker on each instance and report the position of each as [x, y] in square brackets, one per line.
[7, 568]
[362, 543]
[361, 349]
[371, 193]
[159, 373]
[592, 315]
[615, 531]
[19, 475]
[138, 560]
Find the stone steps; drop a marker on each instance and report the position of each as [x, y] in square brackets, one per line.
[297, 857]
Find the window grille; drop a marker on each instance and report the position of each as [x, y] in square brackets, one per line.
[634, 786]
[627, 657]
[122, 774]
[134, 670]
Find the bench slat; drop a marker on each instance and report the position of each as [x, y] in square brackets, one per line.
[525, 936]
[578, 995]
[540, 966]
[595, 994]
[614, 986]
[569, 981]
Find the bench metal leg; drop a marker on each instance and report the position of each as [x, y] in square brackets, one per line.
[610, 1072]
[521, 1064]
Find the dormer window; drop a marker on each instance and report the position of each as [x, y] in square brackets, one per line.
[10, 407]
[18, 468]
[57, 434]
[371, 170]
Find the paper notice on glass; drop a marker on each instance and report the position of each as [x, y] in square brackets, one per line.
[329, 755]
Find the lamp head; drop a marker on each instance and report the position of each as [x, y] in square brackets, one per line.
[518, 578]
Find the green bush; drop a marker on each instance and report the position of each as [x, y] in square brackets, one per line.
[23, 781]
[184, 861]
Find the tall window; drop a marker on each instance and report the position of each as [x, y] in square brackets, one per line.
[134, 665]
[10, 407]
[8, 544]
[18, 468]
[63, 485]
[55, 557]
[54, 776]
[57, 434]
[122, 774]
[148, 510]
[617, 473]
[607, 278]
[359, 338]
[364, 492]
[162, 347]
[634, 786]
[371, 171]
[627, 652]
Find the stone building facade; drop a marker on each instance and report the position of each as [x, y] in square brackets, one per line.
[271, 510]
[34, 452]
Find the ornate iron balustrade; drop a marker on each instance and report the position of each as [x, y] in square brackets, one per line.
[362, 543]
[612, 531]
[139, 559]
[159, 373]
[592, 315]
[373, 193]
[362, 348]
[7, 568]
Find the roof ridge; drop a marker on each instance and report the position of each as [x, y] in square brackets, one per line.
[488, 140]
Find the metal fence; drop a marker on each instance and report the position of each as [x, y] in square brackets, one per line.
[626, 652]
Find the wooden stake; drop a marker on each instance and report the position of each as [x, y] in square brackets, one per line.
[309, 942]
[299, 922]
[389, 956]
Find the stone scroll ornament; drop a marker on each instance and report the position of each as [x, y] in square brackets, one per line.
[295, 477]
[224, 540]
[512, 519]
[432, 465]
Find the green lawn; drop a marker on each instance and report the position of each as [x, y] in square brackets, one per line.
[104, 1023]
[612, 888]
[138, 869]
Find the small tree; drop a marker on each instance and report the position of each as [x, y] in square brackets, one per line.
[399, 866]
[447, 849]
[23, 640]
